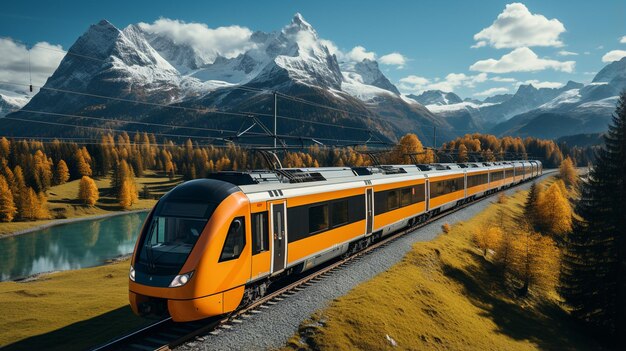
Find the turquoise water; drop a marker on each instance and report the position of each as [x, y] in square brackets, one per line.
[69, 246]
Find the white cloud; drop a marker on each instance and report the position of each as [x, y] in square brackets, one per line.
[209, 42]
[416, 84]
[614, 55]
[587, 53]
[492, 91]
[517, 27]
[623, 39]
[521, 60]
[44, 60]
[538, 84]
[567, 53]
[393, 59]
[358, 54]
[503, 79]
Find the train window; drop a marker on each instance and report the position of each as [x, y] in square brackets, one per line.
[508, 173]
[380, 202]
[392, 200]
[405, 197]
[340, 213]
[418, 193]
[260, 234]
[443, 187]
[318, 218]
[477, 179]
[235, 240]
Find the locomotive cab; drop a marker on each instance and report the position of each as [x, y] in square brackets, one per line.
[192, 248]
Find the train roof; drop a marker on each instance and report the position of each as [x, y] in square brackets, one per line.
[276, 181]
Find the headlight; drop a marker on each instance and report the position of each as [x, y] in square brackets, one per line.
[131, 274]
[180, 280]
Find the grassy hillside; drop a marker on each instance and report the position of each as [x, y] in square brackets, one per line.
[67, 310]
[63, 203]
[443, 296]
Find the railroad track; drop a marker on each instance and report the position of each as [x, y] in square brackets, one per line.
[165, 334]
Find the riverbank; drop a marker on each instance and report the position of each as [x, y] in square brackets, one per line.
[67, 310]
[442, 295]
[64, 208]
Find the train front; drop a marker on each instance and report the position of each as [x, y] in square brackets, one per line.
[189, 260]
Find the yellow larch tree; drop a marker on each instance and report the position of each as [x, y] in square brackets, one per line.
[88, 191]
[62, 173]
[567, 172]
[128, 194]
[554, 212]
[7, 205]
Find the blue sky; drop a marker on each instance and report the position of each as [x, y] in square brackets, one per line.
[434, 38]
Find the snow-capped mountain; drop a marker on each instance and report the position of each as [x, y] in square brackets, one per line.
[436, 97]
[576, 109]
[136, 64]
[11, 101]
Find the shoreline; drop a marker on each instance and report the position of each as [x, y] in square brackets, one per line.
[58, 222]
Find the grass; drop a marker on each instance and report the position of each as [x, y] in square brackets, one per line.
[442, 296]
[67, 310]
[63, 203]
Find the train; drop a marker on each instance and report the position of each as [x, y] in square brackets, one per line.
[211, 245]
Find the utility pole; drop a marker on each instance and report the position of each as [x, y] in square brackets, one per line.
[275, 115]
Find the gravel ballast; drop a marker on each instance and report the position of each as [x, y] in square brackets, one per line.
[275, 326]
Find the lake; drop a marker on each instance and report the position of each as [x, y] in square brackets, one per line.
[69, 246]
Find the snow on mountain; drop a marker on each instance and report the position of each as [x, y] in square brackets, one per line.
[11, 101]
[612, 71]
[463, 105]
[436, 97]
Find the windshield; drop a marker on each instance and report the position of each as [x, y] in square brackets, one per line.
[167, 243]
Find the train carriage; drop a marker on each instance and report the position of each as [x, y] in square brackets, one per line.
[211, 245]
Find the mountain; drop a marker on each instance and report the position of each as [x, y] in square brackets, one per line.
[577, 109]
[496, 99]
[134, 64]
[436, 97]
[12, 100]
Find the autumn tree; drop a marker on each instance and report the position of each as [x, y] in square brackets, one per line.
[88, 191]
[7, 205]
[62, 173]
[554, 213]
[593, 272]
[82, 166]
[487, 238]
[408, 144]
[534, 260]
[567, 172]
[128, 194]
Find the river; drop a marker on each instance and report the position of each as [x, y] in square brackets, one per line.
[69, 246]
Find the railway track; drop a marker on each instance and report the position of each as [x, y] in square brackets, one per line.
[165, 334]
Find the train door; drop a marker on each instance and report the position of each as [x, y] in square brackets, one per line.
[279, 236]
[369, 210]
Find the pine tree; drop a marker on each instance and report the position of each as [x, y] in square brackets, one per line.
[88, 191]
[7, 206]
[530, 206]
[593, 270]
[62, 173]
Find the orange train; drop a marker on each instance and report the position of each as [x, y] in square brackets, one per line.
[211, 245]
